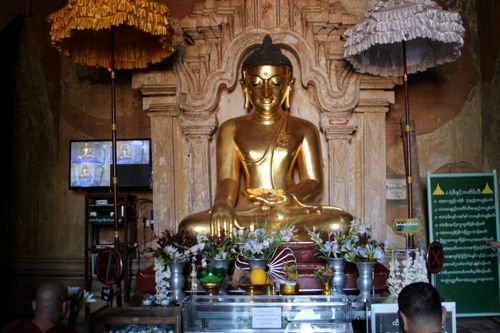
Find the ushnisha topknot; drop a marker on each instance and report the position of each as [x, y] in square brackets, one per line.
[267, 54]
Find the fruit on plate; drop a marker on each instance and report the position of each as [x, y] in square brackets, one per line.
[258, 276]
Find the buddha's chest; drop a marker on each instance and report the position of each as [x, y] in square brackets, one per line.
[261, 146]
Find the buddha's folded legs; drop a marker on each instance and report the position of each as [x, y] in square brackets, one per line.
[254, 218]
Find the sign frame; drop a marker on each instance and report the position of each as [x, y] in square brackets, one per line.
[463, 217]
[109, 266]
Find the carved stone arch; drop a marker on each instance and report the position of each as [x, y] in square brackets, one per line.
[335, 91]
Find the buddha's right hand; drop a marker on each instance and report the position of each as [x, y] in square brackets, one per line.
[221, 218]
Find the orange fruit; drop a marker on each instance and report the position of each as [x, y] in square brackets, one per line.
[258, 276]
[268, 281]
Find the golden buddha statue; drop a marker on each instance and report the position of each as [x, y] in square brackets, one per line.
[267, 146]
[86, 150]
[124, 152]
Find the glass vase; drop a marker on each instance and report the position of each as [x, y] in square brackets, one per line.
[365, 280]
[339, 278]
[211, 278]
[224, 263]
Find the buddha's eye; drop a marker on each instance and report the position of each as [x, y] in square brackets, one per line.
[255, 82]
[276, 83]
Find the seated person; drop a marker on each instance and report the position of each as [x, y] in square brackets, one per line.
[50, 308]
[420, 309]
[268, 147]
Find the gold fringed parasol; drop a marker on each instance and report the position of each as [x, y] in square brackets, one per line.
[142, 32]
[115, 34]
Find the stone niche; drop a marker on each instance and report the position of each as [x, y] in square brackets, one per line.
[186, 104]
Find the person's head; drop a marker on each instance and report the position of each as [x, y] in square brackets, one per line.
[420, 308]
[267, 77]
[51, 302]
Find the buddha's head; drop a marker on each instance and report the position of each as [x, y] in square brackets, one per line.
[267, 77]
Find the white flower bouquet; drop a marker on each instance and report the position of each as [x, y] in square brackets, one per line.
[261, 243]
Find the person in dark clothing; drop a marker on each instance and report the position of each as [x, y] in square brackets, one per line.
[50, 307]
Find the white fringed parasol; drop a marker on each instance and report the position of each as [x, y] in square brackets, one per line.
[433, 36]
[400, 37]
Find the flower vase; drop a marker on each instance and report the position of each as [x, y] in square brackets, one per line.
[73, 315]
[177, 280]
[339, 278]
[211, 278]
[365, 280]
[224, 263]
[259, 262]
[327, 288]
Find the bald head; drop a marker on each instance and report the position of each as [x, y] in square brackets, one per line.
[51, 302]
[50, 295]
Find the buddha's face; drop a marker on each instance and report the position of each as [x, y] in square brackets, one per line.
[266, 86]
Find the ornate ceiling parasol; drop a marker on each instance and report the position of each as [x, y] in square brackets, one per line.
[142, 34]
[115, 34]
[400, 37]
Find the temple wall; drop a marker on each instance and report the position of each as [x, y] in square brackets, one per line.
[47, 100]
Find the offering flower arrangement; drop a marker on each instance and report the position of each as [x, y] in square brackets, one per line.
[77, 298]
[413, 270]
[363, 247]
[337, 245]
[355, 246]
[324, 273]
[261, 243]
[172, 247]
[213, 247]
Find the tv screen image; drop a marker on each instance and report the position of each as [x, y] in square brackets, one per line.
[91, 163]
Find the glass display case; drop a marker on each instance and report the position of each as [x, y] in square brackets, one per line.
[295, 313]
[381, 314]
[319, 327]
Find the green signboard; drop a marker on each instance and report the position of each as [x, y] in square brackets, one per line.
[463, 217]
[407, 226]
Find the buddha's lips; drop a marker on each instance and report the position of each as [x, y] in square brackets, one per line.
[267, 100]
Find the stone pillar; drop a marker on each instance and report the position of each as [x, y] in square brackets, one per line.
[371, 110]
[338, 133]
[159, 98]
[198, 128]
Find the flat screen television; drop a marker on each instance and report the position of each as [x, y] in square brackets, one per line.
[91, 164]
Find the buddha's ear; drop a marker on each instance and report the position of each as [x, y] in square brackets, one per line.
[245, 95]
[288, 93]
